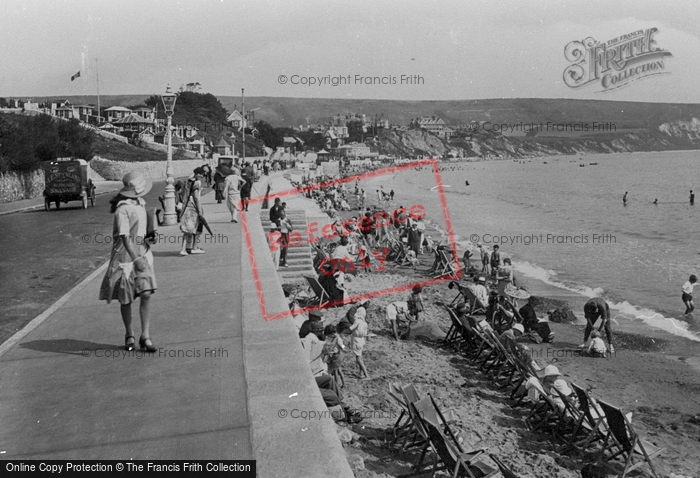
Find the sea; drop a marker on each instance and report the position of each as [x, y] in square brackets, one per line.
[563, 222]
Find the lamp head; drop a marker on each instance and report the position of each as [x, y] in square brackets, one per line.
[169, 98]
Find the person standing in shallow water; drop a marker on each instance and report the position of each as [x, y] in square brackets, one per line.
[692, 198]
[624, 199]
[687, 295]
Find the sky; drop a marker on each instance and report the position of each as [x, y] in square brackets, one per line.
[447, 50]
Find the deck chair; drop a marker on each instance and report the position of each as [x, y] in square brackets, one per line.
[505, 471]
[461, 294]
[414, 435]
[545, 415]
[445, 266]
[568, 429]
[427, 413]
[594, 426]
[320, 256]
[455, 461]
[624, 441]
[457, 334]
[497, 357]
[322, 297]
[423, 411]
[403, 424]
[525, 371]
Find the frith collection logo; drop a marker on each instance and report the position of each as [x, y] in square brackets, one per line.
[614, 63]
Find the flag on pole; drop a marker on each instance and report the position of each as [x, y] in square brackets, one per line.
[77, 75]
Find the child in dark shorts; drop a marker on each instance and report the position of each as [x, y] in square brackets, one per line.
[332, 349]
[687, 295]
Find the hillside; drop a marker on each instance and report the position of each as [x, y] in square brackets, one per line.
[636, 126]
[284, 111]
[669, 136]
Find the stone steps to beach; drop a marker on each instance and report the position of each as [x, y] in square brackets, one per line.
[299, 257]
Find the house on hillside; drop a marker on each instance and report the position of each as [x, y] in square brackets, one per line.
[235, 119]
[84, 112]
[293, 143]
[147, 135]
[131, 125]
[145, 112]
[223, 147]
[116, 113]
[355, 150]
[433, 124]
[65, 112]
[332, 140]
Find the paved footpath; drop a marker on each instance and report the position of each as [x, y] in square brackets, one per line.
[214, 390]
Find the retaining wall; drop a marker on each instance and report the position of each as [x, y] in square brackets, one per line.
[115, 170]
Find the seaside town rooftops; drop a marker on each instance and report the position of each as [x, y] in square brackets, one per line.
[132, 119]
[117, 108]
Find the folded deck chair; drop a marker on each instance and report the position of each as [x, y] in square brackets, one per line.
[505, 471]
[624, 441]
[322, 297]
[445, 266]
[593, 425]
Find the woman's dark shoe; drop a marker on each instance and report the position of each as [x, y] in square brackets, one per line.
[150, 348]
[130, 343]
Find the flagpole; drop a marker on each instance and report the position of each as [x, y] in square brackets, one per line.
[243, 122]
[97, 74]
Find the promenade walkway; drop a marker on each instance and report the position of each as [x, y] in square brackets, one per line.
[214, 390]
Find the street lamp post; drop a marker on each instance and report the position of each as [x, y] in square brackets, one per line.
[170, 215]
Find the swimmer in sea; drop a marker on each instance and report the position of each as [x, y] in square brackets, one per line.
[466, 183]
[624, 199]
[656, 201]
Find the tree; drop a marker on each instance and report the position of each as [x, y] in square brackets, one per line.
[356, 131]
[191, 87]
[27, 141]
[313, 140]
[268, 135]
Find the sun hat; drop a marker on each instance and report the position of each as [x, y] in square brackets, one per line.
[462, 307]
[562, 386]
[417, 289]
[482, 279]
[519, 328]
[135, 185]
[551, 371]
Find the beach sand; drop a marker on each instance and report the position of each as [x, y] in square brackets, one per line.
[653, 374]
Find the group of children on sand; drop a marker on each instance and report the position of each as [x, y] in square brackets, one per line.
[354, 323]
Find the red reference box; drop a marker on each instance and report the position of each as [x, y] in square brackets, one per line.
[322, 232]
